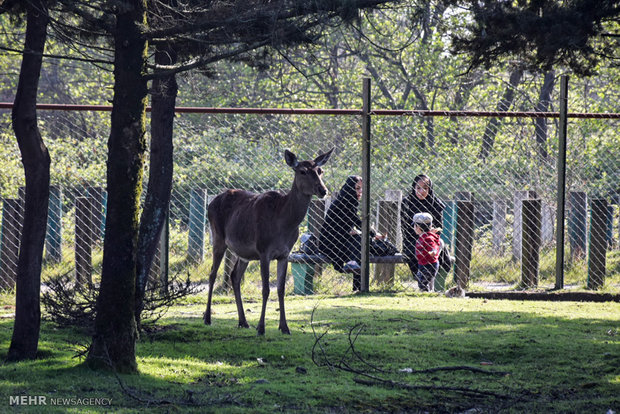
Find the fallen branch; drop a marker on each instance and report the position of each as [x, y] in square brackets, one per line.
[374, 380]
[395, 384]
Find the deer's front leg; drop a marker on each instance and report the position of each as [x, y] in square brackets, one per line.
[282, 267]
[264, 274]
[237, 275]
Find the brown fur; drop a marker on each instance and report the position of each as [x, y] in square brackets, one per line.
[262, 227]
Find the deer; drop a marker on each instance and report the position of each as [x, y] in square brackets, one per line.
[262, 227]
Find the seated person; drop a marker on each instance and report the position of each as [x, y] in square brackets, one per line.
[340, 237]
[421, 199]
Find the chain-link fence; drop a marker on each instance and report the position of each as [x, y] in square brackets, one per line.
[496, 177]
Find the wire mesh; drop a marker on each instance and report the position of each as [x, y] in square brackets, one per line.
[499, 238]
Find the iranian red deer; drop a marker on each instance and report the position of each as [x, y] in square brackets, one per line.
[262, 227]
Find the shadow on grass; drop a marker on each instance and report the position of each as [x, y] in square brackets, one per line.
[556, 360]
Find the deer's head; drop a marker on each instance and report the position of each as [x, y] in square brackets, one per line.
[308, 174]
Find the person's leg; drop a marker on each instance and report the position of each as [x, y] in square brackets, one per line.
[426, 277]
[357, 280]
[354, 254]
[433, 269]
[421, 277]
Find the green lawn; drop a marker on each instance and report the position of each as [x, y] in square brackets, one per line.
[542, 357]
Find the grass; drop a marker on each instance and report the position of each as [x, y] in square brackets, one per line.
[557, 357]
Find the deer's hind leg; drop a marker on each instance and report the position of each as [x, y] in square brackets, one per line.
[237, 276]
[219, 249]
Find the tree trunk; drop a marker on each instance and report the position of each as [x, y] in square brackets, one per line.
[115, 333]
[466, 85]
[160, 173]
[540, 124]
[36, 161]
[488, 139]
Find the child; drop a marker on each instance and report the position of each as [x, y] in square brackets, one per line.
[426, 251]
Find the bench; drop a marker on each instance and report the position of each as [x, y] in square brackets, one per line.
[304, 267]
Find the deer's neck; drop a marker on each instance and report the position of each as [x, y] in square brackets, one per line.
[296, 205]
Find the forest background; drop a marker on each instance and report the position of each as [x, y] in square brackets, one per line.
[405, 50]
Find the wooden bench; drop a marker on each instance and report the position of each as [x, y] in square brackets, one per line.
[303, 268]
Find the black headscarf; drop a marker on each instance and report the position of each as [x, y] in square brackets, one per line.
[413, 205]
[341, 218]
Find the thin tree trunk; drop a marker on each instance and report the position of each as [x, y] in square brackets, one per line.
[540, 124]
[160, 173]
[115, 333]
[36, 161]
[488, 139]
[467, 83]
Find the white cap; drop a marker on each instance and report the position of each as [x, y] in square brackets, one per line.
[423, 218]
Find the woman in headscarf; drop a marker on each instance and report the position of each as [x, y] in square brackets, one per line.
[340, 237]
[421, 199]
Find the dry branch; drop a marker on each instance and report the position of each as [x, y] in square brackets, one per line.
[345, 365]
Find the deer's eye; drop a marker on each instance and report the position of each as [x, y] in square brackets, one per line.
[319, 171]
[303, 172]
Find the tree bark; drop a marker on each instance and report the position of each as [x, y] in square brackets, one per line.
[540, 124]
[488, 139]
[36, 161]
[115, 333]
[160, 173]
[466, 85]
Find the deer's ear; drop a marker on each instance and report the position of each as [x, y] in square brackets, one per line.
[322, 159]
[291, 159]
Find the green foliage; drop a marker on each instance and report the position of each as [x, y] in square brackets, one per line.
[543, 34]
[410, 69]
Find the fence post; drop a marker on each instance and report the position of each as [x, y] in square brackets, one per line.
[83, 240]
[366, 136]
[610, 226]
[532, 218]
[396, 195]
[561, 199]
[449, 223]
[546, 232]
[517, 226]
[387, 221]
[463, 241]
[499, 226]
[197, 220]
[577, 224]
[9, 243]
[316, 217]
[618, 204]
[463, 196]
[96, 197]
[448, 227]
[53, 238]
[597, 251]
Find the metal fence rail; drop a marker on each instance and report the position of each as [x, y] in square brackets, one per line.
[501, 207]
